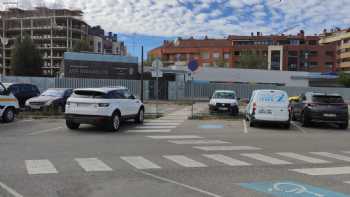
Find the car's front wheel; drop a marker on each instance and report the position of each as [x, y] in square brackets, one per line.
[140, 116]
[72, 125]
[8, 115]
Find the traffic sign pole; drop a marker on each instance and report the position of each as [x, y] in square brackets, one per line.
[192, 67]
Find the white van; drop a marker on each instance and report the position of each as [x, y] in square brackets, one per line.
[8, 105]
[268, 106]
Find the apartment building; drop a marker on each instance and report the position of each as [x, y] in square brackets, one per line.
[341, 38]
[282, 52]
[54, 31]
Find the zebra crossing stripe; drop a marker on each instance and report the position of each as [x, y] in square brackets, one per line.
[184, 161]
[226, 148]
[150, 131]
[164, 121]
[155, 127]
[227, 160]
[333, 156]
[140, 163]
[40, 167]
[303, 158]
[93, 165]
[161, 124]
[175, 137]
[182, 142]
[266, 159]
[323, 171]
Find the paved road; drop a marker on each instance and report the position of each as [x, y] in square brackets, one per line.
[168, 157]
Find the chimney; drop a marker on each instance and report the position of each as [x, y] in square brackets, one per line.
[302, 32]
[206, 37]
[257, 33]
[252, 34]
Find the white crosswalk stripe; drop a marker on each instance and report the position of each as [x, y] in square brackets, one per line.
[333, 156]
[226, 148]
[40, 167]
[93, 165]
[266, 159]
[155, 127]
[140, 162]
[227, 160]
[164, 121]
[181, 142]
[184, 161]
[150, 131]
[175, 137]
[323, 171]
[161, 124]
[303, 158]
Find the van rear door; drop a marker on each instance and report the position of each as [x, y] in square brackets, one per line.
[273, 105]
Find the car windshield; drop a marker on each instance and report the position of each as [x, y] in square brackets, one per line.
[224, 95]
[53, 93]
[89, 94]
[327, 99]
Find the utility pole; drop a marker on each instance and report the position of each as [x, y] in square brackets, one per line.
[142, 73]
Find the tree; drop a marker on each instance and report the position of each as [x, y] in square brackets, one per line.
[26, 58]
[82, 46]
[344, 79]
[252, 60]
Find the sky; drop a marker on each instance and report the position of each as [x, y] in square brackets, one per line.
[149, 22]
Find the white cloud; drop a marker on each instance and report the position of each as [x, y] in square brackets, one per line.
[174, 18]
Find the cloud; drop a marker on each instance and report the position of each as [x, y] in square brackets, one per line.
[214, 18]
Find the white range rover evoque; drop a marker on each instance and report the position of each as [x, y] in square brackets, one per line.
[103, 107]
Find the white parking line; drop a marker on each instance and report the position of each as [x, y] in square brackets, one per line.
[323, 171]
[46, 131]
[170, 137]
[10, 190]
[140, 163]
[303, 158]
[298, 127]
[266, 159]
[150, 131]
[184, 161]
[40, 167]
[227, 160]
[245, 126]
[198, 142]
[180, 184]
[226, 148]
[93, 165]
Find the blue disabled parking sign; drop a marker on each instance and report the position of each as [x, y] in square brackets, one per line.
[291, 189]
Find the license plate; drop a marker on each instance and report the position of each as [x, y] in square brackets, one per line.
[35, 107]
[262, 111]
[223, 108]
[330, 115]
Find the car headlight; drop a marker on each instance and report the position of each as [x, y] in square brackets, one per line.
[103, 105]
[49, 102]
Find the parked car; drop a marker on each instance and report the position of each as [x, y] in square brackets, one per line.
[321, 108]
[22, 91]
[8, 105]
[224, 100]
[54, 98]
[103, 107]
[268, 106]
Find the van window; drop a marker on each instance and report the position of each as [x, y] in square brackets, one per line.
[272, 97]
[327, 99]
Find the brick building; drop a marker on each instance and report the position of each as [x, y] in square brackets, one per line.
[283, 52]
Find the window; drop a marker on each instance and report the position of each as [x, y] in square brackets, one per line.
[292, 53]
[117, 94]
[205, 55]
[237, 53]
[313, 53]
[313, 64]
[330, 53]
[226, 55]
[216, 55]
[294, 42]
[312, 42]
[329, 64]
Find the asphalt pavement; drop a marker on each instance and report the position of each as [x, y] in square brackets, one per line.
[172, 156]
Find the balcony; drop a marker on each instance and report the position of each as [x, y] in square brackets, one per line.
[345, 55]
[345, 46]
[345, 65]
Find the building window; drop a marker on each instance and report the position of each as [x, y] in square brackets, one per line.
[205, 55]
[329, 65]
[226, 56]
[294, 42]
[330, 53]
[313, 53]
[312, 42]
[216, 55]
[237, 53]
[292, 53]
[313, 64]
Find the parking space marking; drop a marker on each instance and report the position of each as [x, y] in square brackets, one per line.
[170, 137]
[45, 131]
[323, 171]
[227, 160]
[150, 131]
[140, 163]
[298, 127]
[184, 161]
[40, 167]
[180, 184]
[333, 156]
[226, 148]
[93, 165]
[10, 190]
[193, 142]
[303, 158]
[155, 127]
[266, 159]
[245, 126]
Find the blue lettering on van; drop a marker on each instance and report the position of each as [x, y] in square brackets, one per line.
[280, 98]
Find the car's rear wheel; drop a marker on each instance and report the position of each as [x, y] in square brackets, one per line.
[72, 125]
[8, 115]
[115, 122]
[344, 126]
[140, 116]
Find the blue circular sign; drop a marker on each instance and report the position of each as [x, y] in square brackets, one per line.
[192, 65]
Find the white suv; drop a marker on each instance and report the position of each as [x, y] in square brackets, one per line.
[103, 106]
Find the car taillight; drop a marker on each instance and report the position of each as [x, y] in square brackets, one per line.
[254, 107]
[290, 109]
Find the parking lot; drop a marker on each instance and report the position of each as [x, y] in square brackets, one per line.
[169, 156]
